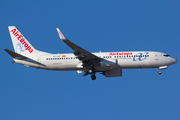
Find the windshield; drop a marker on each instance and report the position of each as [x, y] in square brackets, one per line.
[165, 55]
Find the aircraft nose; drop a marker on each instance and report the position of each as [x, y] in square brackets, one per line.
[176, 60]
[173, 60]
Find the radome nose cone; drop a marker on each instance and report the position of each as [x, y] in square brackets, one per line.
[174, 60]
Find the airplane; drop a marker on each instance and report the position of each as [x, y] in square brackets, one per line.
[110, 64]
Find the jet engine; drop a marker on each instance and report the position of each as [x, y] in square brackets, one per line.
[113, 73]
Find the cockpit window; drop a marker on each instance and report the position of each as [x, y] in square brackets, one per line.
[166, 55]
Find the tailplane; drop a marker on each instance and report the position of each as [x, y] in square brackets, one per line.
[15, 55]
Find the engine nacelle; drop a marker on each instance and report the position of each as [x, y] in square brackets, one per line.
[109, 63]
[113, 73]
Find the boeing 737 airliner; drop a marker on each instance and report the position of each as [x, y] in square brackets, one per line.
[110, 64]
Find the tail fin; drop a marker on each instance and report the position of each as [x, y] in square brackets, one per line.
[21, 44]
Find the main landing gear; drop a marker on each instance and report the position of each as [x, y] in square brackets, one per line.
[92, 73]
[93, 77]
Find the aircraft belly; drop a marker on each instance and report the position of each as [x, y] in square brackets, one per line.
[62, 65]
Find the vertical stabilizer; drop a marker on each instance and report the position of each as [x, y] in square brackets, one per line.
[20, 43]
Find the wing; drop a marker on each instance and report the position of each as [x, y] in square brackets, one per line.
[86, 57]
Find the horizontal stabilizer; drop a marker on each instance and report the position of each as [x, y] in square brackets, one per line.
[15, 55]
[21, 57]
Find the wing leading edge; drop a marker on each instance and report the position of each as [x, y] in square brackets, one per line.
[86, 57]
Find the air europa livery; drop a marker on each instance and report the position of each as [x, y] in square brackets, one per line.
[110, 64]
[21, 39]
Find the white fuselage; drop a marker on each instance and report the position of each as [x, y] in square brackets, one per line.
[110, 64]
[113, 60]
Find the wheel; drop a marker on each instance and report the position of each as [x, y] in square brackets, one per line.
[159, 72]
[93, 77]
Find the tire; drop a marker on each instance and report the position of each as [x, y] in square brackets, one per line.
[159, 72]
[93, 77]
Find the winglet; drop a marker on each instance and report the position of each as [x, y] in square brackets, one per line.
[60, 34]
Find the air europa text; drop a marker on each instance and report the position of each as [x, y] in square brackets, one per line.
[117, 53]
[20, 38]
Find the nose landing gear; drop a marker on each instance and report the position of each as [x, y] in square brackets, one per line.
[160, 68]
[159, 72]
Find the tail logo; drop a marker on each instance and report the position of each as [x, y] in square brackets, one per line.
[19, 48]
[22, 42]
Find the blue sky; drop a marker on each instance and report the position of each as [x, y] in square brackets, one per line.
[95, 25]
